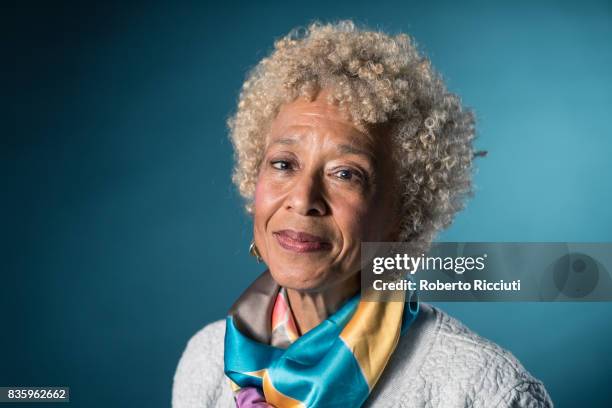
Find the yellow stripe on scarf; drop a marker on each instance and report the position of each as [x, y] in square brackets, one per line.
[259, 374]
[372, 335]
[275, 397]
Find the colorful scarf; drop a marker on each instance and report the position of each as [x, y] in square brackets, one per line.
[336, 363]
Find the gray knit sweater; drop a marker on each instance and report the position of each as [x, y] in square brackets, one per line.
[438, 363]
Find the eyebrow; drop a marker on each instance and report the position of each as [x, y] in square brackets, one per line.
[285, 141]
[342, 148]
[348, 149]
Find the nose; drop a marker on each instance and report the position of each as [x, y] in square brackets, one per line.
[306, 196]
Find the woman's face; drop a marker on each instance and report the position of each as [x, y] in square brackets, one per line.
[324, 186]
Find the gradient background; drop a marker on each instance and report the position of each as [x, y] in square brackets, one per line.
[122, 235]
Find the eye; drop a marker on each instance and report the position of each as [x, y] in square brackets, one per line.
[348, 175]
[281, 164]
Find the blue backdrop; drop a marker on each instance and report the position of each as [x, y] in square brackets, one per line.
[122, 235]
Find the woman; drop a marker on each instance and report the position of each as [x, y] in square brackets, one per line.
[345, 136]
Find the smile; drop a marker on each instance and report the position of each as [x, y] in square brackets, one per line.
[300, 242]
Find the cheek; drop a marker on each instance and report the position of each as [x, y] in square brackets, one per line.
[258, 197]
[351, 218]
[260, 204]
[266, 200]
[361, 221]
[382, 220]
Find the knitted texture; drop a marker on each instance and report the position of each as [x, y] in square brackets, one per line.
[438, 363]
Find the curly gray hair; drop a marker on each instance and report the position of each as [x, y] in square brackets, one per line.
[376, 78]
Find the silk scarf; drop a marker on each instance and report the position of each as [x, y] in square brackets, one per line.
[336, 364]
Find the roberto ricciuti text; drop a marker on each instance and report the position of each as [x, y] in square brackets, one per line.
[437, 285]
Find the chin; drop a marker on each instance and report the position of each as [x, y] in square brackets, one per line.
[296, 278]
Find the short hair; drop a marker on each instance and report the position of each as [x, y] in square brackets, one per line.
[377, 78]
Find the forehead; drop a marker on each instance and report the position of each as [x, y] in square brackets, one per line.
[320, 118]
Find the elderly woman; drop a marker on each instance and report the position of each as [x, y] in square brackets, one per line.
[344, 136]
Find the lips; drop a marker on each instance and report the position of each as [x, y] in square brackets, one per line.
[298, 241]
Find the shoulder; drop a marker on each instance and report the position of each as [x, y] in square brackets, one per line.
[199, 380]
[489, 374]
[447, 364]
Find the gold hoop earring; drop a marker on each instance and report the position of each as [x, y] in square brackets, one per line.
[254, 251]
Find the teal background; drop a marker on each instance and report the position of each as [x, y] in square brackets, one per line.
[122, 235]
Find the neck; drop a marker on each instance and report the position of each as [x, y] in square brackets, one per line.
[311, 308]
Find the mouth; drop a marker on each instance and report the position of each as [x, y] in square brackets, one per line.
[301, 242]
